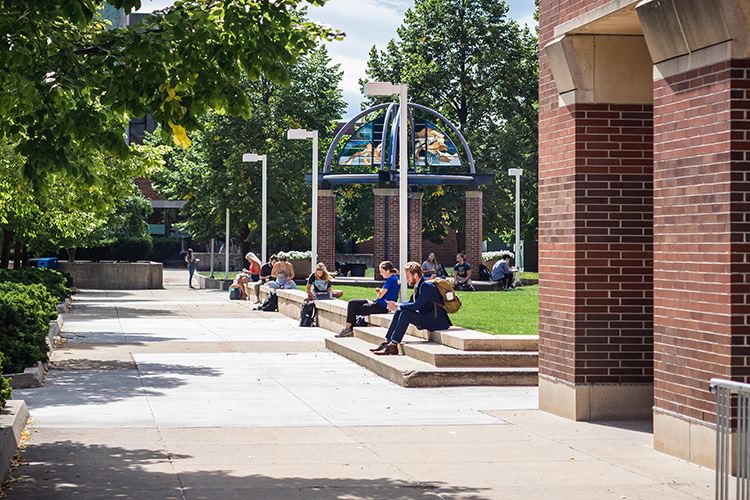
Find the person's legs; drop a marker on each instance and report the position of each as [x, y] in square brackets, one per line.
[508, 280]
[191, 271]
[405, 318]
[351, 311]
[256, 288]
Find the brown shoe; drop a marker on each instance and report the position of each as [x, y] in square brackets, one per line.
[379, 347]
[387, 350]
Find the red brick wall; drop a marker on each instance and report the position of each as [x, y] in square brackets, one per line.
[701, 223]
[415, 227]
[327, 229]
[595, 231]
[473, 226]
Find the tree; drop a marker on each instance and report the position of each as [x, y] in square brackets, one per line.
[468, 61]
[211, 175]
[67, 81]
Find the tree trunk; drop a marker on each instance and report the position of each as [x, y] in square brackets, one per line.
[245, 245]
[17, 255]
[71, 254]
[25, 256]
[7, 244]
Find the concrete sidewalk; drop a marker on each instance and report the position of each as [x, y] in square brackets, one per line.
[183, 394]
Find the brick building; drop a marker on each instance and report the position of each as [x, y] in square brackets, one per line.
[644, 208]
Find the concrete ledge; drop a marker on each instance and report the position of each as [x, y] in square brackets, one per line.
[115, 275]
[32, 376]
[595, 402]
[12, 422]
[689, 439]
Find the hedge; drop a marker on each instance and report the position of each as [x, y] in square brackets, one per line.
[25, 327]
[5, 390]
[60, 285]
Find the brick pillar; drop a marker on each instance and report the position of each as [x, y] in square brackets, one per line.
[327, 228]
[386, 227]
[415, 227]
[702, 278]
[474, 231]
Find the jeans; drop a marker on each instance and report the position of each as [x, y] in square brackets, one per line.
[362, 307]
[401, 321]
[191, 272]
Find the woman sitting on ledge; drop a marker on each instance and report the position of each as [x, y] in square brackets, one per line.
[365, 307]
[284, 274]
[319, 285]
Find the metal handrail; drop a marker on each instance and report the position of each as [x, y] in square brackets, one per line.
[725, 391]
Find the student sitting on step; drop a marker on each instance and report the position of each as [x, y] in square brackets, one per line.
[424, 310]
[360, 307]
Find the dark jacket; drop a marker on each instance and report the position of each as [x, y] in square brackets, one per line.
[422, 301]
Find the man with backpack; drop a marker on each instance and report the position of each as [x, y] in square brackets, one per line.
[426, 310]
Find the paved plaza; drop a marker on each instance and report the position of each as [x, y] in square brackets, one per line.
[183, 394]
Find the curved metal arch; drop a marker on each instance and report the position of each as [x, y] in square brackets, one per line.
[453, 128]
[388, 113]
[332, 149]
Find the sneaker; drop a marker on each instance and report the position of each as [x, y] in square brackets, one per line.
[257, 301]
[509, 289]
[345, 332]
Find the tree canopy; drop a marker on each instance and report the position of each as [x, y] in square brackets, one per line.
[68, 80]
[467, 60]
[211, 175]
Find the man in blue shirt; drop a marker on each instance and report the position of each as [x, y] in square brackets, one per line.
[424, 310]
[503, 273]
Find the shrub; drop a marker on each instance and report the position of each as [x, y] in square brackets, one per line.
[24, 331]
[5, 390]
[166, 248]
[132, 249]
[46, 303]
[57, 283]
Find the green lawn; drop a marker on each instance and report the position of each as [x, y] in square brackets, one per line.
[507, 313]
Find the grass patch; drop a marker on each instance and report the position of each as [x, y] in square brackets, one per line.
[506, 313]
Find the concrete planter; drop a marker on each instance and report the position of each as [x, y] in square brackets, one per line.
[141, 275]
[12, 421]
[302, 268]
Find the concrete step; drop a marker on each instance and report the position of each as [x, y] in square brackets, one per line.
[464, 339]
[410, 372]
[443, 356]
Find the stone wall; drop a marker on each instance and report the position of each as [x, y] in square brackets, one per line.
[115, 275]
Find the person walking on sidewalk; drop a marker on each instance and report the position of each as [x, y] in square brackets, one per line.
[423, 310]
[364, 307]
[192, 264]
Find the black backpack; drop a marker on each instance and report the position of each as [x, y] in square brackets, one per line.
[270, 304]
[308, 316]
[484, 273]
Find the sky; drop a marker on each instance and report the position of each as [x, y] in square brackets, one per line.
[366, 23]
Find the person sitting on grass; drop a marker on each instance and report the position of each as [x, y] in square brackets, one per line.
[503, 273]
[319, 285]
[462, 274]
[423, 310]
[365, 307]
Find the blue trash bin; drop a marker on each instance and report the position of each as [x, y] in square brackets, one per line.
[48, 263]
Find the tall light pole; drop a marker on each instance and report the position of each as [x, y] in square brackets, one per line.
[252, 157]
[297, 134]
[386, 89]
[517, 172]
[226, 249]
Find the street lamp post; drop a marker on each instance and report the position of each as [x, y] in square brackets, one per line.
[226, 249]
[387, 89]
[517, 173]
[298, 134]
[252, 157]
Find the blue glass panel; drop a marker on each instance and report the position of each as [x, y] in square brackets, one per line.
[432, 146]
[365, 145]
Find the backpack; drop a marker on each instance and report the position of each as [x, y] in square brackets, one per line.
[360, 321]
[235, 293]
[451, 302]
[484, 273]
[270, 304]
[308, 315]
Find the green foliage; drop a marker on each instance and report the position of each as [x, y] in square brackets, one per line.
[24, 331]
[132, 249]
[211, 175]
[58, 284]
[6, 392]
[165, 248]
[46, 303]
[68, 81]
[468, 61]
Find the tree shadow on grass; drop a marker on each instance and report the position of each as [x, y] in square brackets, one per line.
[69, 469]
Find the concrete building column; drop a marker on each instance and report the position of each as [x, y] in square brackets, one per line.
[327, 228]
[474, 213]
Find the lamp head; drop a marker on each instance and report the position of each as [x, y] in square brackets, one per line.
[381, 88]
[250, 157]
[515, 171]
[298, 133]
